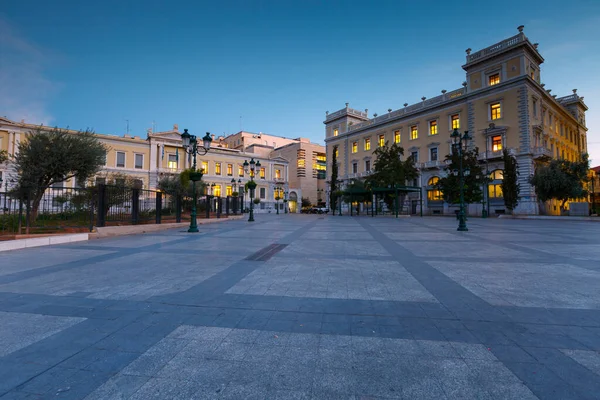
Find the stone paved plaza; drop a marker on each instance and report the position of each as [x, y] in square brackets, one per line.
[308, 307]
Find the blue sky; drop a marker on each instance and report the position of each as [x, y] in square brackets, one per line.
[269, 66]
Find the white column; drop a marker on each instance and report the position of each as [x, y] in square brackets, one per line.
[17, 140]
[10, 143]
[153, 163]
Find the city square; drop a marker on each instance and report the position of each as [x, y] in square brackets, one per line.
[308, 307]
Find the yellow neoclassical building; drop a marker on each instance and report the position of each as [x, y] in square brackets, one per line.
[161, 153]
[502, 103]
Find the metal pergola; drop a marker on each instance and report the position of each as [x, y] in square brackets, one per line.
[380, 192]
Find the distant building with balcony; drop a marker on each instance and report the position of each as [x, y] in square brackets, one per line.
[161, 154]
[307, 162]
[502, 103]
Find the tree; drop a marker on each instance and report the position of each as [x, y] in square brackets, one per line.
[45, 158]
[450, 183]
[333, 197]
[306, 202]
[561, 180]
[180, 185]
[389, 170]
[3, 156]
[510, 185]
[357, 191]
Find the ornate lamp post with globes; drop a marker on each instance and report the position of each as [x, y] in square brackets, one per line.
[190, 146]
[460, 145]
[250, 168]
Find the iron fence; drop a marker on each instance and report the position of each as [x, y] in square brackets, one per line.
[80, 209]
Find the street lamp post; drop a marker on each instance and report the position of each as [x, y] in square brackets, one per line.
[460, 146]
[285, 202]
[234, 189]
[241, 196]
[278, 191]
[250, 168]
[190, 146]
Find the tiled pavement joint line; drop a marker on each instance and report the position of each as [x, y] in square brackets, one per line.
[449, 293]
[224, 280]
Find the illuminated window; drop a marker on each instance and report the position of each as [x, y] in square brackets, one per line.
[367, 144]
[414, 132]
[355, 147]
[368, 165]
[301, 163]
[381, 140]
[217, 191]
[497, 175]
[337, 152]
[120, 159]
[532, 73]
[495, 111]
[455, 121]
[497, 143]
[336, 132]
[433, 128]
[396, 136]
[262, 173]
[205, 167]
[321, 157]
[240, 170]
[494, 79]
[172, 163]
[229, 169]
[228, 191]
[277, 174]
[433, 193]
[218, 168]
[354, 168]
[495, 190]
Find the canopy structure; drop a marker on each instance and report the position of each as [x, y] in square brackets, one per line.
[396, 190]
[380, 192]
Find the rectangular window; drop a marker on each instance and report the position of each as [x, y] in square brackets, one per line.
[367, 144]
[58, 185]
[337, 152]
[262, 173]
[415, 156]
[172, 161]
[354, 168]
[532, 73]
[336, 132]
[368, 165]
[534, 108]
[120, 159]
[397, 136]
[497, 143]
[240, 170]
[263, 193]
[495, 111]
[218, 168]
[228, 191]
[277, 174]
[139, 161]
[414, 132]
[433, 128]
[455, 121]
[495, 190]
[229, 169]
[433, 154]
[217, 191]
[205, 167]
[355, 147]
[494, 79]
[381, 140]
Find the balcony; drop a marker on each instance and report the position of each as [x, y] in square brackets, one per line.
[433, 164]
[541, 152]
[489, 155]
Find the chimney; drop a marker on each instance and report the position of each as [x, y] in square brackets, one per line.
[176, 127]
[212, 136]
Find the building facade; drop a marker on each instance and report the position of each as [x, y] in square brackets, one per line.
[307, 162]
[161, 154]
[502, 103]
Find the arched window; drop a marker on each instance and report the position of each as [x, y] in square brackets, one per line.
[433, 193]
[495, 186]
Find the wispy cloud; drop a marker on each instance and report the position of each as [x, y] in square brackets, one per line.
[26, 88]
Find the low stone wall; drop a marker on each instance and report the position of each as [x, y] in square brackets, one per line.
[45, 240]
[551, 217]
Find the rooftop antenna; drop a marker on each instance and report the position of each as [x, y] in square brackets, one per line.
[127, 126]
[153, 126]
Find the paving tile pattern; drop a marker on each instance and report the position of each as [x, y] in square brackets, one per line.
[308, 307]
